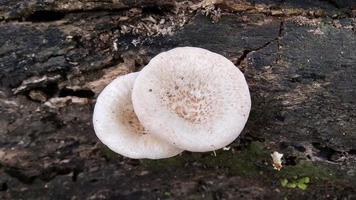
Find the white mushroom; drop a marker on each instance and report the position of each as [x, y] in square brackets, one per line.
[117, 126]
[277, 160]
[192, 98]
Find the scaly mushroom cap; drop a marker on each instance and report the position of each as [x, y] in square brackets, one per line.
[117, 126]
[193, 98]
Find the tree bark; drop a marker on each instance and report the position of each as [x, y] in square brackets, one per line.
[298, 57]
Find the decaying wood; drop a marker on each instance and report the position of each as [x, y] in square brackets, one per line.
[299, 59]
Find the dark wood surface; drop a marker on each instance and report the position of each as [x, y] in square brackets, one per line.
[299, 58]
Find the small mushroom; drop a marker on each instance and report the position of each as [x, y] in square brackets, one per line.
[117, 126]
[192, 98]
[277, 160]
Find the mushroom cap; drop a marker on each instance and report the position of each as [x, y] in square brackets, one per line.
[192, 98]
[117, 126]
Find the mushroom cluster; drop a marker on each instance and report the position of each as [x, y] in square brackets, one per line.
[187, 98]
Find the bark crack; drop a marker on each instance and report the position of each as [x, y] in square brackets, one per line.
[277, 39]
[279, 44]
[247, 51]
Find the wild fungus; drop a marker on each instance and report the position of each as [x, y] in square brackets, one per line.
[277, 160]
[117, 126]
[192, 98]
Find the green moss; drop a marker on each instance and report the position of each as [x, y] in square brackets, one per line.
[304, 180]
[300, 183]
[167, 194]
[247, 162]
[308, 169]
[302, 186]
[108, 153]
[155, 165]
[307, 173]
[252, 161]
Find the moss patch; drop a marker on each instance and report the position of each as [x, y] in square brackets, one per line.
[248, 162]
[316, 171]
[156, 165]
[253, 161]
[108, 153]
[300, 183]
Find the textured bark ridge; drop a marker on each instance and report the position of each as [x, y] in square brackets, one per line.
[298, 57]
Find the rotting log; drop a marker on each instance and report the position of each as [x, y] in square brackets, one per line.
[298, 57]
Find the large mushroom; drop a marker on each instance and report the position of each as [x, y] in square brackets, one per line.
[192, 98]
[117, 126]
